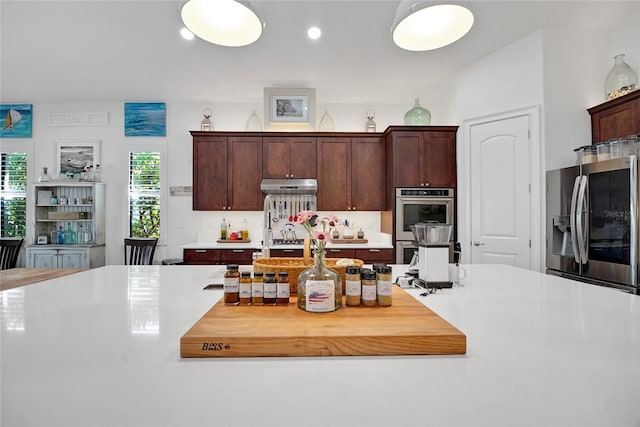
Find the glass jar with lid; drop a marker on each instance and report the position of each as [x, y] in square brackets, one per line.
[602, 150]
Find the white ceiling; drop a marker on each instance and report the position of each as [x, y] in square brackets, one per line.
[89, 51]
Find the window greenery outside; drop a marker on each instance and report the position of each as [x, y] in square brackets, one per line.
[13, 195]
[144, 194]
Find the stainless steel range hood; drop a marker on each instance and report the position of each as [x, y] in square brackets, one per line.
[289, 186]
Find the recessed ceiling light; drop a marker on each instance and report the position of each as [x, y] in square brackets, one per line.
[314, 33]
[186, 34]
[425, 26]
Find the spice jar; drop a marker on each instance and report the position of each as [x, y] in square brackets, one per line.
[283, 288]
[257, 288]
[384, 286]
[270, 289]
[232, 285]
[369, 292]
[245, 288]
[353, 286]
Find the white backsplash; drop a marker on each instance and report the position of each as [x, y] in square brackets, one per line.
[210, 224]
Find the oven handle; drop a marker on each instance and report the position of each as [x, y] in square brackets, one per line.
[426, 199]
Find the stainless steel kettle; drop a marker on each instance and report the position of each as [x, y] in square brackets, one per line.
[289, 233]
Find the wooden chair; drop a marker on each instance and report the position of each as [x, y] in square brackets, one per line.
[9, 250]
[139, 251]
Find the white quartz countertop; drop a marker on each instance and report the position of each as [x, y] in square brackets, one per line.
[258, 245]
[102, 348]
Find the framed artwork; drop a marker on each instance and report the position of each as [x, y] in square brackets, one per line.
[145, 119]
[15, 120]
[290, 108]
[76, 156]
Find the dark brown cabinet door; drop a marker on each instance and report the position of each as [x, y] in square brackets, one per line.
[367, 174]
[617, 118]
[408, 156]
[209, 173]
[439, 159]
[244, 173]
[351, 173]
[289, 157]
[424, 159]
[334, 175]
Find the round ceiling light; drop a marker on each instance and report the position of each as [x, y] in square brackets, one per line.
[430, 27]
[223, 22]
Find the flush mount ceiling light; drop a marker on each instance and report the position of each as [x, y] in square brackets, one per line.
[223, 22]
[428, 25]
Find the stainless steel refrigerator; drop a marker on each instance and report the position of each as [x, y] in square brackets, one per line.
[592, 223]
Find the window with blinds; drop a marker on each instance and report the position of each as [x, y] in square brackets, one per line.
[13, 195]
[144, 194]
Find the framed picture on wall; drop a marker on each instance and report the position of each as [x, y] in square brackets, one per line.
[290, 108]
[145, 119]
[77, 156]
[15, 120]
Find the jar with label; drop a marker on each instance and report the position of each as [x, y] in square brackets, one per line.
[353, 286]
[245, 288]
[270, 289]
[283, 288]
[369, 291]
[257, 288]
[384, 286]
[232, 285]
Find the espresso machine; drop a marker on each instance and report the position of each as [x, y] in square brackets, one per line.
[433, 252]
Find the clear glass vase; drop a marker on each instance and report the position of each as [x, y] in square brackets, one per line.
[253, 123]
[319, 287]
[620, 80]
[417, 116]
[326, 122]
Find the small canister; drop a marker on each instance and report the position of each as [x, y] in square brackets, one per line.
[603, 152]
[245, 288]
[283, 288]
[257, 288]
[353, 285]
[369, 291]
[384, 286]
[232, 285]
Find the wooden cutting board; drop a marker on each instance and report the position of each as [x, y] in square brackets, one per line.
[362, 241]
[407, 327]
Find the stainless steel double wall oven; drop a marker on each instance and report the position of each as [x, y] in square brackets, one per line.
[415, 205]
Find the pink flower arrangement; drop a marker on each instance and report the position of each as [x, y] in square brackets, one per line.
[319, 229]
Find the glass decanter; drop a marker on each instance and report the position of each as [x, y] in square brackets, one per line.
[620, 80]
[417, 116]
[319, 287]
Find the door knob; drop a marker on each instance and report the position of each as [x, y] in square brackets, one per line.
[478, 244]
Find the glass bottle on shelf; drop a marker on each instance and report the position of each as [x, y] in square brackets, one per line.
[326, 122]
[371, 125]
[69, 235]
[253, 123]
[45, 175]
[417, 116]
[620, 80]
[205, 124]
[60, 236]
[53, 237]
[96, 173]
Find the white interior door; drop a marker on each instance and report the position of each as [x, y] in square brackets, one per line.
[500, 191]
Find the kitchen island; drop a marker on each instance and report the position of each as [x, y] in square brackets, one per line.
[102, 347]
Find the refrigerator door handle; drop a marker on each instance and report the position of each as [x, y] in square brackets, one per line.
[582, 241]
[572, 219]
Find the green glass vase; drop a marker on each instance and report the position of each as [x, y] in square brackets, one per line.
[417, 116]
